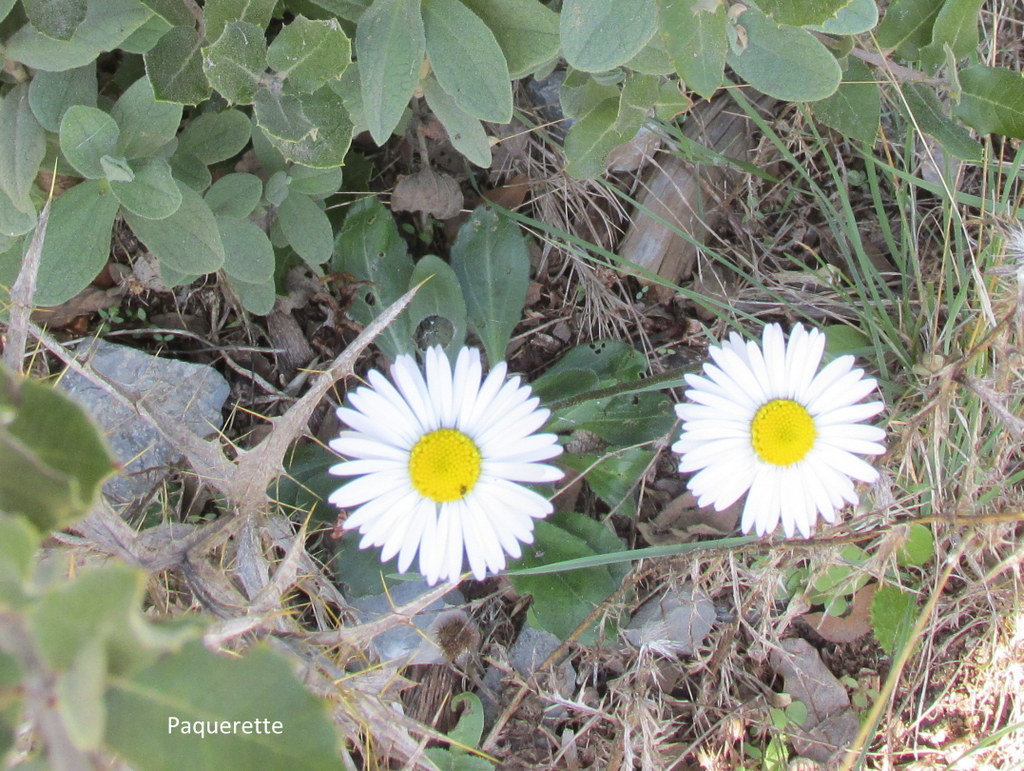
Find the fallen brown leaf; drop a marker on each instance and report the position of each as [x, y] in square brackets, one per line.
[852, 626]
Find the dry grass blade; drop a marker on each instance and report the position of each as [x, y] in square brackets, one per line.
[22, 292]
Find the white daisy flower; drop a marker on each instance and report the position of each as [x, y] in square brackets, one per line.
[764, 422]
[436, 463]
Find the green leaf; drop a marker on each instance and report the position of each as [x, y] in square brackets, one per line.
[248, 255]
[931, 117]
[466, 133]
[309, 53]
[145, 37]
[56, 18]
[50, 94]
[258, 299]
[621, 420]
[175, 67]
[919, 547]
[492, 261]
[86, 135]
[306, 227]
[785, 62]
[89, 609]
[437, 314]
[52, 456]
[22, 147]
[370, 248]
[390, 46]
[216, 136]
[856, 18]
[613, 477]
[598, 35]
[309, 129]
[696, 40]
[609, 362]
[893, 613]
[235, 195]
[652, 59]
[855, 109]
[107, 24]
[174, 12]
[152, 193]
[236, 62]
[79, 691]
[526, 30]
[467, 61]
[561, 601]
[18, 544]
[292, 728]
[14, 221]
[316, 183]
[581, 93]
[992, 100]
[471, 723]
[841, 339]
[276, 189]
[907, 26]
[219, 13]
[955, 30]
[801, 12]
[188, 241]
[591, 139]
[77, 242]
[146, 124]
[190, 170]
[116, 169]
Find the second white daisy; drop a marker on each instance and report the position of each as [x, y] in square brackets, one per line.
[437, 462]
[763, 421]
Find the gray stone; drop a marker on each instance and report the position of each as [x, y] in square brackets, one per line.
[191, 395]
[531, 649]
[403, 643]
[676, 622]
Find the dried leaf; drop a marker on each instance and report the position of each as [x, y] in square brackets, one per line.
[830, 724]
[845, 629]
[428, 191]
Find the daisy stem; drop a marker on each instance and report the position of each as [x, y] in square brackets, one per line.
[672, 378]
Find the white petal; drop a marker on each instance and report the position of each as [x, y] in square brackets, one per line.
[774, 351]
[355, 468]
[439, 384]
[723, 387]
[392, 429]
[522, 472]
[802, 363]
[759, 512]
[536, 447]
[409, 379]
[373, 510]
[734, 376]
[366, 487]
[850, 388]
[431, 550]
[719, 451]
[845, 463]
[855, 413]
[355, 445]
[418, 518]
[470, 415]
[466, 381]
[825, 379]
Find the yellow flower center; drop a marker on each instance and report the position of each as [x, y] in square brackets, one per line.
[444, 465]
[782, 432]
